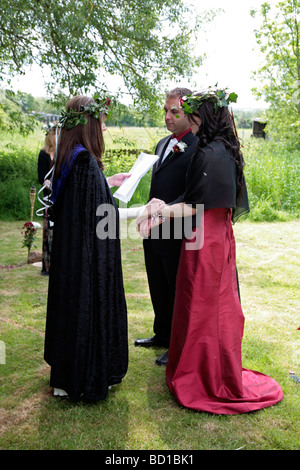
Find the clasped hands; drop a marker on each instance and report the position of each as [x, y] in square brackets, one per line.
[150, 217]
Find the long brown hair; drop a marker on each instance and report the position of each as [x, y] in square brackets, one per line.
[49, 145]
[90, 136]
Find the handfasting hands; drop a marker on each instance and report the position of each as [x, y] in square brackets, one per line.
[150, 217]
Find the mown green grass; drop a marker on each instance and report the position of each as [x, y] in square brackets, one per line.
[140, 413]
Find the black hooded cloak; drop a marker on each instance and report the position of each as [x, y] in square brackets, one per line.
[86, 341]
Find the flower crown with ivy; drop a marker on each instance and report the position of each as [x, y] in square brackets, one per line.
[72, 117]
[219, 98]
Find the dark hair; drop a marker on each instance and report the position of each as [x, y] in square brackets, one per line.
[89, 136]
[217, 124]
[180, 92]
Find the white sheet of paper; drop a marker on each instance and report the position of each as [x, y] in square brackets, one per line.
[139, 169]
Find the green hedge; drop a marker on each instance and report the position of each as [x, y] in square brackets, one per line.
[272, 174]
[18, 172]
[273, 180]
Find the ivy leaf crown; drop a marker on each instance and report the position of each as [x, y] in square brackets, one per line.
[72, 117]
[219, 97]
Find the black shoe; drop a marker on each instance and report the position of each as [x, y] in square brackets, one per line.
[162, 360]
[146, 342]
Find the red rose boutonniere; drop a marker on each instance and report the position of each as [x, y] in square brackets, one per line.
[178, 148]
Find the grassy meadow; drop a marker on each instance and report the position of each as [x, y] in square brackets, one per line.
[141, 414]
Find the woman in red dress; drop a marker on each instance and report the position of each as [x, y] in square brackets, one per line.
[204, 370]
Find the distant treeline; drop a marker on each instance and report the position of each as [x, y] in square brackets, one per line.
[120, 115]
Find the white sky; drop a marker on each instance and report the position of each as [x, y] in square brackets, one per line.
[230, 45]
[232, 53]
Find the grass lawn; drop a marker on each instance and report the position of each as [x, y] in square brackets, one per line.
[140, 413]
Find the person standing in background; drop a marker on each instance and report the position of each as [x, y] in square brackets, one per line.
[45, 162]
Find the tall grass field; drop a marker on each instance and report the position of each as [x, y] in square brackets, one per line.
[272, 171]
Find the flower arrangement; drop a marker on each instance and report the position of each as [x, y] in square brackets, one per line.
[29, 235]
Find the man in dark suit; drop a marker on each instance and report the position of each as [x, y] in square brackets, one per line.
[162, 248]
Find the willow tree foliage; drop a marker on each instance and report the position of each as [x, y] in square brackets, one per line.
[146, 43]
[279, 76]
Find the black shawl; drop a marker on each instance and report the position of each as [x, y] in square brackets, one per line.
[212, 181]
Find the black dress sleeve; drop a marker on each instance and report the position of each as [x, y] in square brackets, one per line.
[44, 165]
[212, 181]
[44, 162]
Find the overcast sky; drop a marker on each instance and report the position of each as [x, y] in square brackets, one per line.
[232, 53]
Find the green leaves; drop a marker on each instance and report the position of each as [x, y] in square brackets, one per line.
[219, 97]
[80, 42]
[279, 77]
[233, 97]
[186, 108]
[72, 117]
[15, 113]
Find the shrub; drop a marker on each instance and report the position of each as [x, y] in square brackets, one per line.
[18, 172]
[121, 160]
[273, 179]
[272, 174]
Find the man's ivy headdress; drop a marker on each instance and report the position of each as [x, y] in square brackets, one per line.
[72, 117]
[220, 99]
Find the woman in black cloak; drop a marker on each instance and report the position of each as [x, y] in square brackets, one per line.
[86, 328]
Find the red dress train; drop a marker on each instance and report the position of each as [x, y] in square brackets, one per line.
[204, 370]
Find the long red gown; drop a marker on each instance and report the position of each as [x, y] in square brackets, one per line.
[204, 370]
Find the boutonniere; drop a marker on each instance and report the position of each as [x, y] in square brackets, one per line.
[178, 148]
